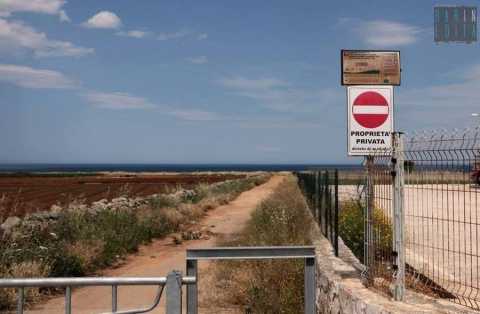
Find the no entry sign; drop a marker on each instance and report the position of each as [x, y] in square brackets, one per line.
[370, 119]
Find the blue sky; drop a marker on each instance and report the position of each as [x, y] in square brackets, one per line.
[212, 81]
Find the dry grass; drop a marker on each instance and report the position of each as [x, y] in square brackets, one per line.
[86, 251]
[81, 242]
[22, 270]
[266, 286]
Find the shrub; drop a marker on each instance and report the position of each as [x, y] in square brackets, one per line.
[351, 228]
[66, 265]
[162, 201]
[82, 241]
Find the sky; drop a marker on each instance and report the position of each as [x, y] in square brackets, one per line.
[148, 81]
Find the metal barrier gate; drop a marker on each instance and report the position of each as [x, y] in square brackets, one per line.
[242, 253]
[174, 281]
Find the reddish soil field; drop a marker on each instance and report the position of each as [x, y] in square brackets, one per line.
[20, 195]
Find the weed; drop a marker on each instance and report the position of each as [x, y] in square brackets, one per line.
[269, 286]
[82, 241]
[351, 228]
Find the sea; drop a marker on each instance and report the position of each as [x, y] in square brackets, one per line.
[38, 168]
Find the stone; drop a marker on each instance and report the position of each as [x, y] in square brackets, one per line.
[56, 208]
[177, 239]
[9, 224]
[120, 199]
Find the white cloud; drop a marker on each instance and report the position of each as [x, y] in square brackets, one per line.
[16, 35]
[198, 60]
[202, 36]
[383, 33]
[134, 34]
[196, 115]
[279, 95]
[64, 17]
[117, 100]
[174, 35]
[52, 7]
[105, 20]
[27, 77]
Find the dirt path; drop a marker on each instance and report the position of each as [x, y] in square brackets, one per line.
[161, 257]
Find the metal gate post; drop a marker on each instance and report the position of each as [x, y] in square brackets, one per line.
[399, 216]
[310, 286]
[192, 289]
[174, 293]
[369, 251]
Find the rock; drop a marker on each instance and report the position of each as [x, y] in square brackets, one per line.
[177, 239]
[9, 224]
[100, 203]
[56, 208]
[120, 200]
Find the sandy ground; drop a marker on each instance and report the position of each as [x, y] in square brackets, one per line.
[161, 257]
[442, 224]
[442, 235]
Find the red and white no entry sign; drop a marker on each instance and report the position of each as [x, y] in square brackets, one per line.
[370, 119]
[370, 109]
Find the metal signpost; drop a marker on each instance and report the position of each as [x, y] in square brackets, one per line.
[370, 76]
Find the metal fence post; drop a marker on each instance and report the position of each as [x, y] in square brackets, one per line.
[192, 290]
[114, 298]
[310, 286]
[20, 300]
[399, 216]
[320, 201]
[68, 300]
[369, 252]
[317, 197]
[335, 240]
[174, 293]
[328, 208]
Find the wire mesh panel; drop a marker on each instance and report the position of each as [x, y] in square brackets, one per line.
[378, 213]
[442, 219]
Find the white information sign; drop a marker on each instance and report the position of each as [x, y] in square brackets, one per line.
[370, 119]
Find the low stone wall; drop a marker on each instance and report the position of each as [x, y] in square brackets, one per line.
[340, 289]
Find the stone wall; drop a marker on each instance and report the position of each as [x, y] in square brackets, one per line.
[340, 289]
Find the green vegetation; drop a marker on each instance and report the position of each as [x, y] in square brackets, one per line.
[80, 241]
[269, 286]
[351, 228]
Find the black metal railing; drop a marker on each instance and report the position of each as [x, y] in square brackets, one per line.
[320, 189]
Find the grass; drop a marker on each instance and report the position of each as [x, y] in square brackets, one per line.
[82, 242]
[268, 286]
